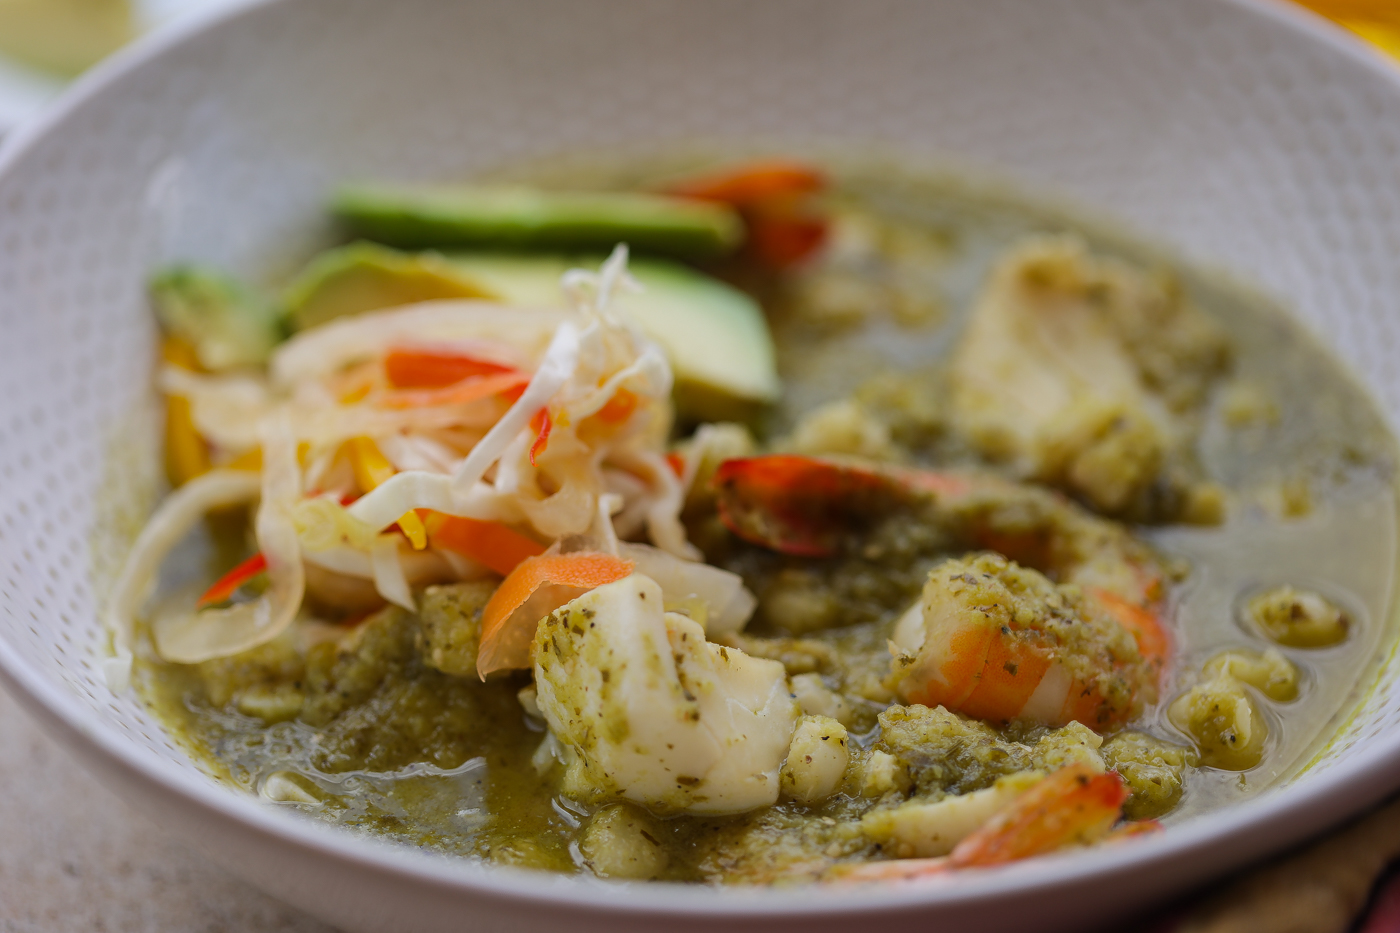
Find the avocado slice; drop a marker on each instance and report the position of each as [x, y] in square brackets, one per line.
[516, 217]
[715, 336]
[227, 324]
[365, 277]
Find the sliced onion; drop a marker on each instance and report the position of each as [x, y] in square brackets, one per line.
[324, 524]
[419, 567]
[389, 577]
[176, 517]
[331, 424]
[664, 516]
[226, 410]
[649, 375]
[402, 492]
[322, 350]
[214, 633]
[729, 602]
[416, 452]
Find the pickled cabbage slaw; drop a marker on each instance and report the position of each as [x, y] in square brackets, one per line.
[438, 441]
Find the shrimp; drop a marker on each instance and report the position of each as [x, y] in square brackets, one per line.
[990, 638]
[1074, 806]
[996, 641]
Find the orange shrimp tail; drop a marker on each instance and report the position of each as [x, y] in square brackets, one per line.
[1134, 830]
[908, 869]
[800, 505]
[1074, 805]
[1153, 642]
[1086, 704]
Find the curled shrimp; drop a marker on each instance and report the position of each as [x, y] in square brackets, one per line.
[990, 639]
[1074, 806]
[996, 641]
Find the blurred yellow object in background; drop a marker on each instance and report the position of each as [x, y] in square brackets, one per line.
[1377, 21]
[64, 36]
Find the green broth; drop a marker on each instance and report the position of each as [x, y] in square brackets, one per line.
[1313, 504]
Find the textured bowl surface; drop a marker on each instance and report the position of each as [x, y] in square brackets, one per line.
[1246, 135]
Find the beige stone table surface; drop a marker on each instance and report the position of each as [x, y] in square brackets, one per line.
[74, 857]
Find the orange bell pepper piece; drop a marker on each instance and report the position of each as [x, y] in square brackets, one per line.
[772, 198]
[541, 424]
[620, 407]
[186, 453]
[229, 583]
[506, 633]
[408, 368]
[754, 183]
[372, 468]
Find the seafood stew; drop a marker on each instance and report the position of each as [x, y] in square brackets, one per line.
[750, 523]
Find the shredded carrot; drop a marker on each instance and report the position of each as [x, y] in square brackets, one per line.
[229, 583]
[371, 468]
[676, 462]
[493, 544]
[505, 633]
[541, 424]
[410, 368]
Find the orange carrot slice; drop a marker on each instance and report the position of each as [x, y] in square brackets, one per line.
[493, 544]
[229, 583]
[506, 633]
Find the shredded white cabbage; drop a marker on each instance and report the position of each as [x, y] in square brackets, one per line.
[558, 365]
[575, 431]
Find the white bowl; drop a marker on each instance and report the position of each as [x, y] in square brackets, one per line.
[1244, 134]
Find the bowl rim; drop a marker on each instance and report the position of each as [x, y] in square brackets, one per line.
[1270, 821]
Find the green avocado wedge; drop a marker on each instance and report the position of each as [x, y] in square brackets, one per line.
[228, 325]
[514, 218]
[715, 336]
[366, 277]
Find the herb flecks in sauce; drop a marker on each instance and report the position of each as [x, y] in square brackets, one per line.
[1269, 476]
